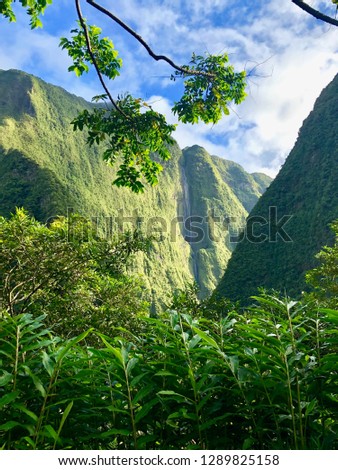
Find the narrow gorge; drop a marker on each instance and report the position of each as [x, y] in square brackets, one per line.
[48, 168]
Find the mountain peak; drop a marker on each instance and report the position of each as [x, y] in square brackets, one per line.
[15, 92]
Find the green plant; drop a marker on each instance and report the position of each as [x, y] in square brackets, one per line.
[266, 379]
[31, 361]
[80, 280]
[324, 278]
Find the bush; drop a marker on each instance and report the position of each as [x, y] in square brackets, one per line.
[70, 273]
[266, 379]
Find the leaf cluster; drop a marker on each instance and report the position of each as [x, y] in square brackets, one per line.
[212, 85]
[324, 278]
[101, 51]
[35, 8]
[132, 131]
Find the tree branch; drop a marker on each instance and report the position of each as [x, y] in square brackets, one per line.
[92, 56]
[135, 35]
[317, 14]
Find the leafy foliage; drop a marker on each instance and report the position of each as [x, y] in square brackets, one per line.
[80, 278]
[132, 134]
[35, 8]
[101, 50]
[208, 92]
[324, 278]
[263, 380]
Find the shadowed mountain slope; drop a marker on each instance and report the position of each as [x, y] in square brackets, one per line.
[49, 169]
[290, 223]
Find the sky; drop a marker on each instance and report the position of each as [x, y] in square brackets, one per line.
[289, 57]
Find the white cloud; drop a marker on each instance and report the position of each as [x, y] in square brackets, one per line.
[301, 63]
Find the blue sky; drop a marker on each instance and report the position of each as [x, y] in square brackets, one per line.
[294, 55]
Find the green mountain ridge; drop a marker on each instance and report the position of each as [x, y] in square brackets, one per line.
[48, 169]
[305, 197]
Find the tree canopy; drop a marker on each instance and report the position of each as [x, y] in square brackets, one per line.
[80, 278]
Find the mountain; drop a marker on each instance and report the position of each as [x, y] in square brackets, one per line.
[48, 168]
[217, 193]
[290, 223]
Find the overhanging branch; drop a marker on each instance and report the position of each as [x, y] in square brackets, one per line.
[92, 56]
[317, 14]
[135, 35]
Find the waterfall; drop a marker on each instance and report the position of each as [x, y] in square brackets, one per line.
[186, 214]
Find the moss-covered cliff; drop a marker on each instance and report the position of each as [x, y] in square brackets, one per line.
[48, 169]
[292, 217]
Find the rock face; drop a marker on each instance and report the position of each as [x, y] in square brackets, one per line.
[289, 224]
[48, 169]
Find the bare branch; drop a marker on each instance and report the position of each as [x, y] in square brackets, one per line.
[135, 35]
[317, 14]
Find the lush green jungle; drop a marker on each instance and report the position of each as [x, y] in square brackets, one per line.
[112, 334]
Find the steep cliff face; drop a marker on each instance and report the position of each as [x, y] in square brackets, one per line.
[290, 222]
[48, 169]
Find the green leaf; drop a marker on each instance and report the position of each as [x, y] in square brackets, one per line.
[63, 351]
[137, 378]
[331, 315]
[145, 410]
[115, 432]
[8, 398]
[48, 363]
[233, 362]
[63, 419]
[116, 352]
[205, 337]
[9, 425]
[131, 364]
[5, 378]
[48, 430]
[21, 407]
[177, 396]
[36, 381]
[165, 373]
[141, 394]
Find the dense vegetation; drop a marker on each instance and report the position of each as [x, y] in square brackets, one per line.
[202, 375]
[305, 190]
[48, 169]
[85, 361]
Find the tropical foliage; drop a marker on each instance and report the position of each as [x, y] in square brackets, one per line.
[324, 278]
[201, 376]
[263, 380]
[70, 273]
